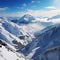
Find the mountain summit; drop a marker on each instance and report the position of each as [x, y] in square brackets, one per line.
[24, 19]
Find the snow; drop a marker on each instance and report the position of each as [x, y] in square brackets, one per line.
[8, 55]
[26, 19]
[42, 43]
[10, 32]
[9, 37]
[32, 53]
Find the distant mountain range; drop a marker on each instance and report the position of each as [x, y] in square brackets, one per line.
[54, 17]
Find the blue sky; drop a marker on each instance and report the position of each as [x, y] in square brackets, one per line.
[20, 6]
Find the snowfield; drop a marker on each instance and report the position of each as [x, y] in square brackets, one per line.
[6, 54]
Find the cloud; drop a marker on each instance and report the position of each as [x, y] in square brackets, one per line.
[16, 14]
[20, 7]
[3, 9]
[51, 7]
[24, 5]
[34, 1]
[35, 13]
[43, 13]
[55, 20]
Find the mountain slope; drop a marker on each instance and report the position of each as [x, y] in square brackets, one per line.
[14, 34]
[18, 36]
[48, 39]
[9, 38]
[8, 53]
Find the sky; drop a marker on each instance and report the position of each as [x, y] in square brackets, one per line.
[33, 7]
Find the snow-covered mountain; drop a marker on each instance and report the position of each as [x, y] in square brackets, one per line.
[25, 19]
[8, 53]
[13, 33]
[28, 34]
[10, 41]
[49, 38]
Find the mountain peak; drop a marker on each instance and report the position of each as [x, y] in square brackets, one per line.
[28, 15]
[26, 19]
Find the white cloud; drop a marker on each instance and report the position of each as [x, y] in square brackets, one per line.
[24, 5]
[51, 7]
[55, 20]
[34, 1]
[3, 9]
[36, 13]
[44, 13]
